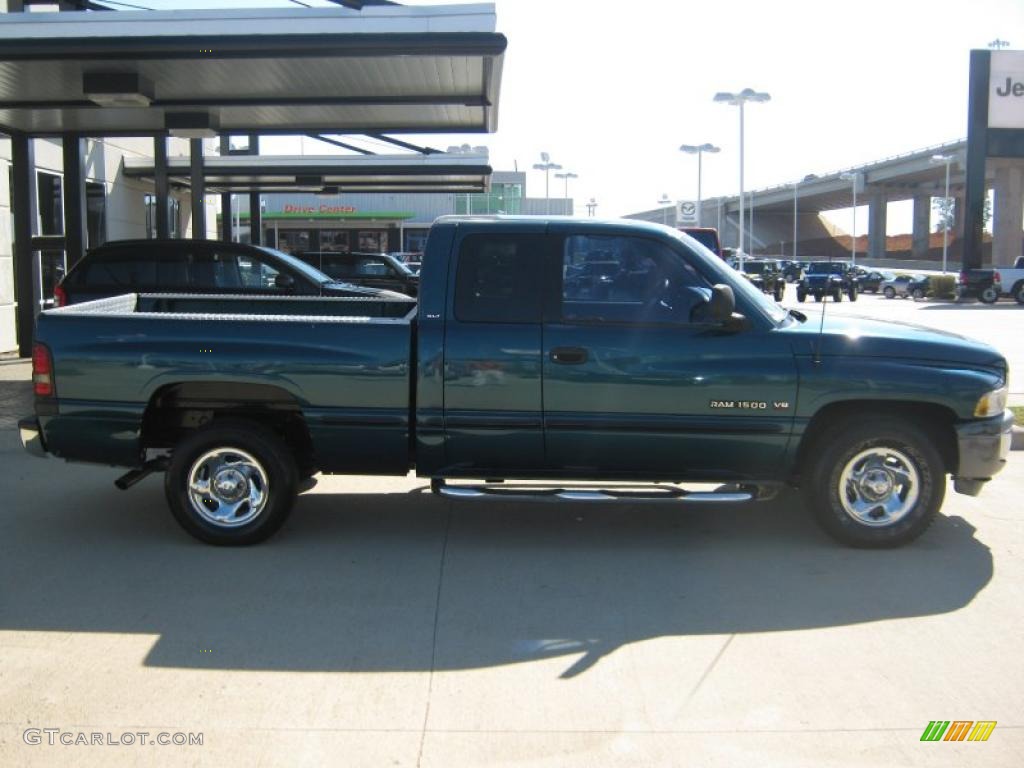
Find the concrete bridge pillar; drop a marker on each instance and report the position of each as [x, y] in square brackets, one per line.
[922, 226]
[877, 205]
[1008, 214]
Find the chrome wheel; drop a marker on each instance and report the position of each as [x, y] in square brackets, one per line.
[227, 487]
[879, 486]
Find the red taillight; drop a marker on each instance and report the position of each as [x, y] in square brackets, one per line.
[996, 277]
[963, 278]
[42, 371]
[60, 296]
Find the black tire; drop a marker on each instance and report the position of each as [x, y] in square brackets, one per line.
[895, 438]
[818, 297]
[853, 293]
[801, 296]
[780, 291]
[1018, 292]
[248, 454]
[837, 294]
[889, 292]
[989, 296]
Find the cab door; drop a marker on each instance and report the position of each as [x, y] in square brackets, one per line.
[492, 365]
[635, 383]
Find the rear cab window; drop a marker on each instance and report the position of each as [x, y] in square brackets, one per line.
[498, 278]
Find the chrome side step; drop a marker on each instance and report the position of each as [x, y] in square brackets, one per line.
[543, 493]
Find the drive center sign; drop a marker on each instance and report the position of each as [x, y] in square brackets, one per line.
[1006, 90]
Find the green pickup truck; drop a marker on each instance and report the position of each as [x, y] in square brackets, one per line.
[600, 361]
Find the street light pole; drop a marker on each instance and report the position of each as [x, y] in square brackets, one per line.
[853, 246]
[946, 208]
[567, 175]
[796, 186]
[699, 150]
[547, 166]
[739, 99]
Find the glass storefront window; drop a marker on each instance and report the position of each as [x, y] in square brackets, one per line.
[334, 240]
[372, 241]
[293, 240]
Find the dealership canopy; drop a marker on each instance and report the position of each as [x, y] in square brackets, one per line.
[386, 68]
[437, 172]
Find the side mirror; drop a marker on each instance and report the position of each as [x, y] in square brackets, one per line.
[284, 282]
[722, 303]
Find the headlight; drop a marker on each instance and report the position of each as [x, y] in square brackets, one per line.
[991, 403]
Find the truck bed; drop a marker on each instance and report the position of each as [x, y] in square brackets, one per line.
[344, 363]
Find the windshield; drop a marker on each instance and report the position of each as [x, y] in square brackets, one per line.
[826, 268]
[716, 271]
[298, 265]
[754, 267]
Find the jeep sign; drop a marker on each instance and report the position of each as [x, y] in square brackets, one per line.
[1006, 90]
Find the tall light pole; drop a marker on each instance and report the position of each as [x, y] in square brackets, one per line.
[547, 166]
[699, 150]
[795, 185]
[750, 232]
[947, 208]
[665, 201]
[567, 175]
[852, 177]
[738, 100]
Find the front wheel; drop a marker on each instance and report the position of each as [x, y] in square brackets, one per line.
[880, 483]
[989, 296]
[853, 293]
[801, 295]
[890, 292]
[1018, 293]
[780, 291]
[837, 294]
[231, 483]
[918, 294]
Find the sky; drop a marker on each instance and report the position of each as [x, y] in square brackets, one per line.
[610, 90]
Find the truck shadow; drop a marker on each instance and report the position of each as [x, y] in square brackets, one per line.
[351, 583]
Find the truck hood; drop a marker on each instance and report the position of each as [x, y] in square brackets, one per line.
[866, 337]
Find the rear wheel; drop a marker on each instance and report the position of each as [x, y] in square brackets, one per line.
[853, 293]
[837, 294]
[889, 292]
[817, 297]
[989, 296]
[780, 291]
[231, 483]
[801, 295]
[878, 483]
[918, 294]
[1018, 292]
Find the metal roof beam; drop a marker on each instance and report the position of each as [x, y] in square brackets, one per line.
[407, 145]
[342, 144]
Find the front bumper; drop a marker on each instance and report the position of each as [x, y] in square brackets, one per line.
[983, 447]
[32, 436]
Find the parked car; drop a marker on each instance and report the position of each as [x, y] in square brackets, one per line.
[792, 271]
[906, 286]
[827, 278]
[196, 266]
[1012, 280]
[706, 236]
[373, 270]
[870, 281]
[412, 259]
[766, 275]
[505, 370]
[982, 284]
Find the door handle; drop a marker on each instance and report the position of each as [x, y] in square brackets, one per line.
[568, 355]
